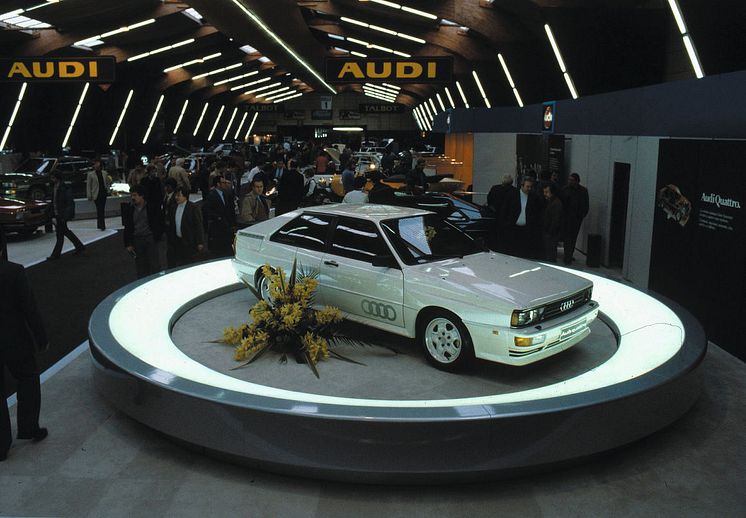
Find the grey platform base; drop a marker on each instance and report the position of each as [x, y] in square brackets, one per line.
[397, 442]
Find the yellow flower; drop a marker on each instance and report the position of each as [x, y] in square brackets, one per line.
[316, 346]
[328, 315]
[233, 335]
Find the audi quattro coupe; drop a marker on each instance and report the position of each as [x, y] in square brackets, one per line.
[412, 273]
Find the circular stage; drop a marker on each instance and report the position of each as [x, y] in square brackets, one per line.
[394, 419]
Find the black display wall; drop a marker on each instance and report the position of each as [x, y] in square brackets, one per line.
[698, 255]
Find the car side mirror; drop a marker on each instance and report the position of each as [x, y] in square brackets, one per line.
[385, 261]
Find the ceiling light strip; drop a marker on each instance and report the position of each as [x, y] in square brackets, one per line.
[199, 122]
[238, 131]
[510, 79]
[450, 98]
[440, 101]
[192, 62]
[463, 95]
[121, 117]
[98, 39]
[432, 105]
[404, 8]
[284, 94]
[273, 92]
[430, 115]
[286, 98]
[246, 85]
[691, 50]
[560, 61]
[152, 120]
[251, 126]
[215, 126]
[230, 122]
[75, 115]
[181, 116]
[216, 71]
[275, 37]
[236, 78]
[13, 116]
[255, 90]
[481, 89]
[161, 49]
[369, 45]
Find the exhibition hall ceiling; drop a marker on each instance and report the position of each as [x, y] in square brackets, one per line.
[505, 52]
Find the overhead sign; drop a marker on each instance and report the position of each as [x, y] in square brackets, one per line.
[381, 70]
[295, 114]
[265, 108]
[349, 115]
[326, 102]
[95, 70]
[382, 108]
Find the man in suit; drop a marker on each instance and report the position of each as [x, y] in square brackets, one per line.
[291, 189]
[522, 211]
[254, 205]
[97, 189]
[142, 229]
[220, 215]
[186, 235]
[575, 203]
[23, 330]
[64, 210]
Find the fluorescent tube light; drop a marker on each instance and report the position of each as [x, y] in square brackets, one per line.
[199, 122]
[13, 116]
[463, 95]
[215, 126]
[152, 120]
[181, 116]
[75, 115]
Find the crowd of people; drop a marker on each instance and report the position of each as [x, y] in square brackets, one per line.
[533, 218]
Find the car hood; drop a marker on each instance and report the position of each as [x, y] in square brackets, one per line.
[486, 277]
[17, 175]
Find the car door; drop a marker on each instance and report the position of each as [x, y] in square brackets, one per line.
[352, 283]
[303, 238]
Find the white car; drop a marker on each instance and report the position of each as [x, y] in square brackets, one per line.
[410, 272]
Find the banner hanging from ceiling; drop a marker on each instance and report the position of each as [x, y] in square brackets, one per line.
[396, 70]
[41, 69]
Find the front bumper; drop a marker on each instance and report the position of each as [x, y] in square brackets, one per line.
[498, 344]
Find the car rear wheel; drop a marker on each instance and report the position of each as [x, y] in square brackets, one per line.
[262, 286]
[445, 340]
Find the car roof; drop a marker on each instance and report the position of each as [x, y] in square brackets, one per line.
[370, 211]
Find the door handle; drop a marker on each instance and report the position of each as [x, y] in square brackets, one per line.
[331, 263]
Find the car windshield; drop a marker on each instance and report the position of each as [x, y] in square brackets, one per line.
[35, 166]
[427, 238]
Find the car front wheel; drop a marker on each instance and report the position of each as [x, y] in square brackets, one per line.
[445, 340]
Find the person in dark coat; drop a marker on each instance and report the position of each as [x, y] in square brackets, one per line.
[416, 178]
[522, 214]
[552, 225]
[186, 236]
[575, 208]
[64, 211]
[141, 227]
[380, 192]
[23, 332]
[220, 215]
[97, 189]
[290, 190]
[495, 202]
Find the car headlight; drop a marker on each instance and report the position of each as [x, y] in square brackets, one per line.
[521, 318]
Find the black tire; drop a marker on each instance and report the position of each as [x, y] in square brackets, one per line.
[37, 194]
[445, 340]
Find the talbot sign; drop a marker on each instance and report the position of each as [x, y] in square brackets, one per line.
[378, 70]
[96, 70]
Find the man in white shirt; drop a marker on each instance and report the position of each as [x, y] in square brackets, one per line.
[357, 195]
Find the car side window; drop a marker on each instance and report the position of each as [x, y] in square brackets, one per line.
[307, 231]
[358, 239]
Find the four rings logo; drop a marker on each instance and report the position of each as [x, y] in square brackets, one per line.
[378, 310]
[567, 305]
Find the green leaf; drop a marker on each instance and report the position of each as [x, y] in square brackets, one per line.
[252, 289]
[344, 358]
[311, 364]
[293, 273]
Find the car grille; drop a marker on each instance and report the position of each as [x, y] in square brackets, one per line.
[567, 304]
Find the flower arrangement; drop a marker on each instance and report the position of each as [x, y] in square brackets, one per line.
[288, 324]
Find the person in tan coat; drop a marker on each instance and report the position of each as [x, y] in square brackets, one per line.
[254, 205]
[178, 173]
[97, 189]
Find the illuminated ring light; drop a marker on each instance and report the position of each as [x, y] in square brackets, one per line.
[648, 383]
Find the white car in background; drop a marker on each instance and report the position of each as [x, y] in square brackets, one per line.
[410, 272]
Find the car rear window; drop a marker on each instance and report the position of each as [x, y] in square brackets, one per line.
[308, 231]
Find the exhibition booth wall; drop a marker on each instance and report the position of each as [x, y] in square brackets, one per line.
[626, 141]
